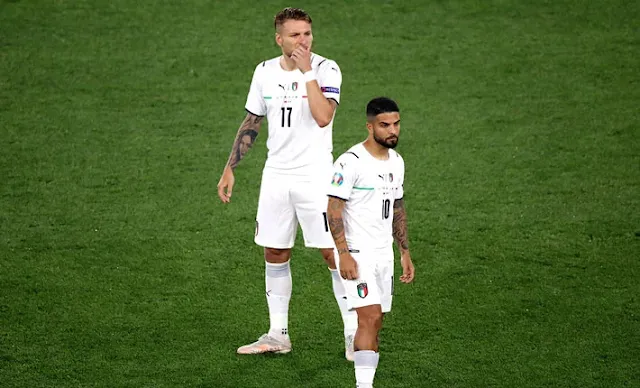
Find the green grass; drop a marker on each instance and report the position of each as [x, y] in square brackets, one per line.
[521, 133]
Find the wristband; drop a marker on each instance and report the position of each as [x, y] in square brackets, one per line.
[309, 76]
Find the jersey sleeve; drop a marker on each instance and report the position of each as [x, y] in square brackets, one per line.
[330, 79]
[400, 189]
[343, 179]
[255, 101]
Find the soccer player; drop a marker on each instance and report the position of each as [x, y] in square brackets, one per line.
[366, 213]
[298, 92]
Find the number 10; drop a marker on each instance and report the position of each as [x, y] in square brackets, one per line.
[386, 207]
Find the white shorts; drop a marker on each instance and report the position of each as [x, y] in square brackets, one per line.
[288, 200]
[375, 279]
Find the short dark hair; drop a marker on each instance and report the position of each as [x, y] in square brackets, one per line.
[290, 13]
[381, 105]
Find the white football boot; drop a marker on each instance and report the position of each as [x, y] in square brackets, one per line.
[266, 344]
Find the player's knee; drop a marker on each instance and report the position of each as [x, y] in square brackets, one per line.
[370, 319]
[327, 256]
[274, 255]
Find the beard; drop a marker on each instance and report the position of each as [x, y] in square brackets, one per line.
[389, 142]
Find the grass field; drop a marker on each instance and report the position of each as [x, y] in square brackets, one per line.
[119, 267]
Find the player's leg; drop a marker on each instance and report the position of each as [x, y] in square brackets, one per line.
[366, 344]
[310, 203]
[363, 296]
[278, 286]
[370, 319]
[275, 230]
[349, 318]
[369, 325]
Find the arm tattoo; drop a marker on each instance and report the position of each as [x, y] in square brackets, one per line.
[336, 224]
[400, 225]
[245, 138]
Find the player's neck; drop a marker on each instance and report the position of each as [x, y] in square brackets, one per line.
[287, 64]
[375, 149]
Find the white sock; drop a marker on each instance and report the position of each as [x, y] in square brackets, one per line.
[349, 318]
[278, 287]
[365, 364]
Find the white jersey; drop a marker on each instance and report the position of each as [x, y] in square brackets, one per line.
[296, 144]
[370, 186]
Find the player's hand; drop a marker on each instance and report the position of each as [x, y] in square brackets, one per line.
[348, 267]
[302, 57]
[408, 271]
[225, 185]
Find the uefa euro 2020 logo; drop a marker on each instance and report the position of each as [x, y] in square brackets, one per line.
[337, 179]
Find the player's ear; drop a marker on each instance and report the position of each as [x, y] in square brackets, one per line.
[278, 39]
[369, 126]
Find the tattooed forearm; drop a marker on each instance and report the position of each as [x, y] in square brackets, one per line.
[400, 225]
[245, 138]
[336, 224]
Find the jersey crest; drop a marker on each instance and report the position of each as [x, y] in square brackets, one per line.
[363, 290]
